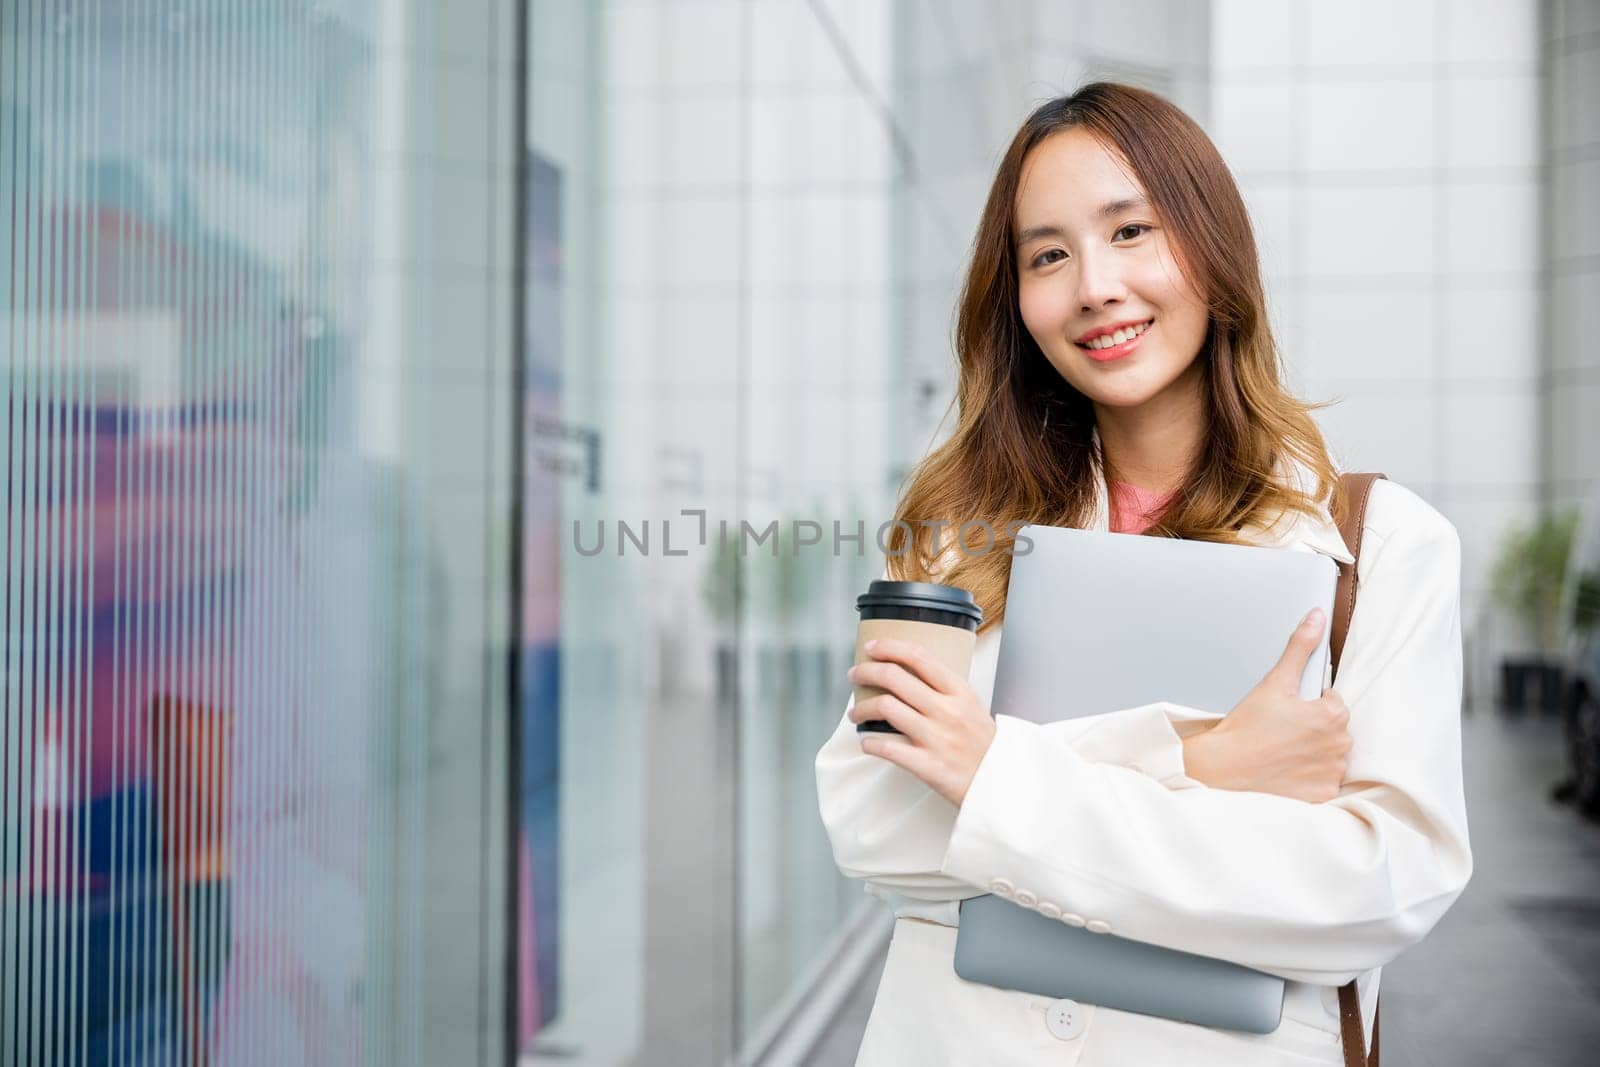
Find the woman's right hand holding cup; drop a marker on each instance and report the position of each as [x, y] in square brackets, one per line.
[1274, 742]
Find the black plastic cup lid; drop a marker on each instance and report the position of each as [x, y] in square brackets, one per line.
[884, 594]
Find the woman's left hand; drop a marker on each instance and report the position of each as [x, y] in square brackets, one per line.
[947, 730]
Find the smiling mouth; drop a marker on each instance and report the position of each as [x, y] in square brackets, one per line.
[1112, 340]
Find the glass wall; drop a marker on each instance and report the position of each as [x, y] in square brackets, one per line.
[254, 540]
[724, 351]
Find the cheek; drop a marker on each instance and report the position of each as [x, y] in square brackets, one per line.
[1172, 291]
[1184, 317]
[1043, 313]
[1196, 333]
[1189, 320]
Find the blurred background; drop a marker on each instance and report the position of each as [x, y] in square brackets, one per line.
[379, 374]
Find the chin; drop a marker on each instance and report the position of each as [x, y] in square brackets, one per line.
[1130, 391]
[1131, 386]
[1123, 400]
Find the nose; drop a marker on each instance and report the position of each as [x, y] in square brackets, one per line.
[1099, 282]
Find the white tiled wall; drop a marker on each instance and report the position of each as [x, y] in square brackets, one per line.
[1394, 178]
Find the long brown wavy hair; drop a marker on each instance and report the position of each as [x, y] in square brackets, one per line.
[1023, 449]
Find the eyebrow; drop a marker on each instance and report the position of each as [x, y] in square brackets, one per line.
[1115, 207]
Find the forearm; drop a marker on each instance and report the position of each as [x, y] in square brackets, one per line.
[888, 828]
[1316, 892]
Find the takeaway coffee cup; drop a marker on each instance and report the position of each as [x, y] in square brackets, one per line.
[941, 618]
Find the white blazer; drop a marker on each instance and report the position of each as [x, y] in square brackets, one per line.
[1093, 821]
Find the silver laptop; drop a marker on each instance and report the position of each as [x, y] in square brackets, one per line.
[1097, 622]
[1132, 620]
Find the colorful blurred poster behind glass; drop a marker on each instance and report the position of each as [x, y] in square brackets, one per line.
[540, 700]
[194, 661]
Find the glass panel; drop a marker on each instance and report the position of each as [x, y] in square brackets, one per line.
[817, 456]
[246, 791]
[718, 333]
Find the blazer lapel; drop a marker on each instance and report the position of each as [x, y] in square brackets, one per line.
[1306, 533]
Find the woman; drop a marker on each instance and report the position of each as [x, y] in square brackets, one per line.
[1315, 840]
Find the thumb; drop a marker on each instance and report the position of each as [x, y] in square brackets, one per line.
[1292, 664]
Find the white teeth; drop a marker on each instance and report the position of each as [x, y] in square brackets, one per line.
[1113, 339]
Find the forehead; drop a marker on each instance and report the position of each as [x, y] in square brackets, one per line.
[1070, 174]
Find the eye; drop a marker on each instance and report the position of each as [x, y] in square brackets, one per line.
[1039, 260]
[1141, 227]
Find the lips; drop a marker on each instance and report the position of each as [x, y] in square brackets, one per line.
[1103, 336]
[1119, 349]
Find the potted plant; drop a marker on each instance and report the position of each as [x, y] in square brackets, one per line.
[1527, 581]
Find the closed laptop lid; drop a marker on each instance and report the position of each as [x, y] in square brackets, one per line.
[1096, 622]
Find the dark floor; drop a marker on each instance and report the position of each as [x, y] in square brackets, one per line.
[1512, 974]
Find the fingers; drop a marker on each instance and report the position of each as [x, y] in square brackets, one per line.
[896, 679]
[916, 659]
[908, 720]
[896, 750]
[1335, 708]
[1297, 653]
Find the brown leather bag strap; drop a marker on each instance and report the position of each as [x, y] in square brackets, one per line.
[1350, 1034]
[1358, 487]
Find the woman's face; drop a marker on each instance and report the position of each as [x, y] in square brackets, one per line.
[1090, 256]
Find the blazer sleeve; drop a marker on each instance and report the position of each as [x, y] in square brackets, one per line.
[888, 828]
[1318, 893]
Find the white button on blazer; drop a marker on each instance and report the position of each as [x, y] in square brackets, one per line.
[1317, 893]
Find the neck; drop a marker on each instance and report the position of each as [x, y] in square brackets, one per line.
[1151, 446]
